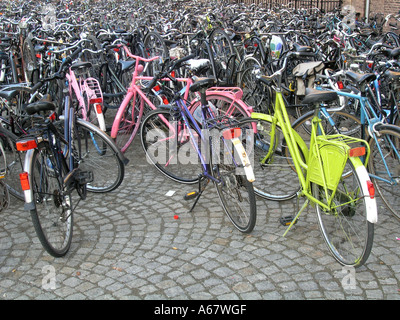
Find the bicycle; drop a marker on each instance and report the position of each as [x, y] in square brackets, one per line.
[377, 126]
[137, 100]
[173, 128]
[328, 173]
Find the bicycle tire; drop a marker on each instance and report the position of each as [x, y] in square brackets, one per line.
[51, 213]
[172, 154]
[347, 230]
[276, 178]
[99, 154]
[389, 192]
[235, 192]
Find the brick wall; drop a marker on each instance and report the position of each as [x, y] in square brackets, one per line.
[376, 6]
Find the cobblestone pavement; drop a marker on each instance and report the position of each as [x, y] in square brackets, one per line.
[128, 245]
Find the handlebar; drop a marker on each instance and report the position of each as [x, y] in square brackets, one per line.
[176, 64]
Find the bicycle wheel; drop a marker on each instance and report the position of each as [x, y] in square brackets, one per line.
[235, 192]
[52, 213]
[223, 54]
[345, 228]
[276, 177]
[166, 142]
[385, 160]
[154, 45]
[97, 152]
[30, 63]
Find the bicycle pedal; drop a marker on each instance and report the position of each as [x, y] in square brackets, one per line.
[190, 195]
[84, 177]
[286, 221]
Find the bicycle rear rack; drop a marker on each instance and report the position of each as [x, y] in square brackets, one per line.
[92, 87]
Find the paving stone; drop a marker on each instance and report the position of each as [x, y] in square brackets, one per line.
[127, 245]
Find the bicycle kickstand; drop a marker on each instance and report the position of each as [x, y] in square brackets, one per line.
[197, 194]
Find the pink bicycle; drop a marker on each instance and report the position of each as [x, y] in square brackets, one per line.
[226, 101]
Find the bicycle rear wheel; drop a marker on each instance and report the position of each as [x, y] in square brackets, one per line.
[166, 142]
[52, 213]
[346, 228]
[380, 166]
[235, 192]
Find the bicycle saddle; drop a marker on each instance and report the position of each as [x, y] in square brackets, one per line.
[81, 64]
[202, 83]
[300, 48]
[360, 78]
[314, 96]
[392, 75]
[8, 95]
[36, 107]
[391, 53]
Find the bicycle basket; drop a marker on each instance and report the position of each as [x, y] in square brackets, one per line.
[334, 155]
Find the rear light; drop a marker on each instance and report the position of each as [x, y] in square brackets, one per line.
[24, 179]
[25, 145]
[357, 152]
[340, 85]
[371, 189]
[231, 133]
[96, 100]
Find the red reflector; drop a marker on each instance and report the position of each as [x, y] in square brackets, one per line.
[99, 110]
[232, 133]
[116, 49]
[157, 88]
[340, 85]
[53, 116]
[24, 179]
[38, 55]
[26, 145]
[96, 100]
[371, 189]
[357, 152]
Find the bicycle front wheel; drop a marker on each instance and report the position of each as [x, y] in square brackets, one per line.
[97, 153]
[52, 206]
[345, 227]
[168, 146]
[384, 166]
